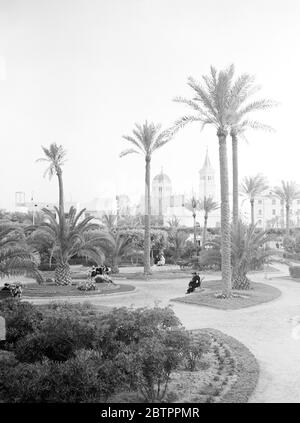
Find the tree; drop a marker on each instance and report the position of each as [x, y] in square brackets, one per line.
[242, 89]
[248, 247]
[69, 237]
[287, 192]
[251, 187]
[16, 257]
[147, 138]
[207, 205]
[212, 106]
[192, 205]
[55, 156]
[177, 242]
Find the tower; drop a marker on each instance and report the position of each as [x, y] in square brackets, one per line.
[207, 185]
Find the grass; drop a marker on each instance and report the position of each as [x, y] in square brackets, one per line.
[51, 290]
[261, 293]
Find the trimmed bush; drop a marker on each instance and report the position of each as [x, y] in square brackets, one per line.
[294, 271]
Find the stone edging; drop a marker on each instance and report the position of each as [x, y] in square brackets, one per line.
[247, 368]
[80, 296]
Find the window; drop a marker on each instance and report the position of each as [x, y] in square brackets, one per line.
[260, 211]
[259, 222]
[273, 212]
[259, 201]
[273, 202]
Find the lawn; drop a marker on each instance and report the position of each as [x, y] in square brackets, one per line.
[51, 290]
[260, 293]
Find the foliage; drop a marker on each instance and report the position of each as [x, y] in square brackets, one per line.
[87, 285]
[83, 378]
[176, 245]
[253, 186]
[16, 257]
[68, 237]
[289, 244]
[22, 318]
[57, 338]
[294, 271]
[195, 349]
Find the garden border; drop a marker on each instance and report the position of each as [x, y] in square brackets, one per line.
[247, 368]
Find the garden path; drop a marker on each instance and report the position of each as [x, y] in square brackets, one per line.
[266, 329]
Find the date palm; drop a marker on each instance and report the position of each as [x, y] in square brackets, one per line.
[241, 91]
[68, 237]
[16, 257]
[251, 187]
[248, 247]
[146, 139]
[55, 157]
[192, 205]
[211, 104]
[207, 205]
[287, 192]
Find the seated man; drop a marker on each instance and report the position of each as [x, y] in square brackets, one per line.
[194, 283]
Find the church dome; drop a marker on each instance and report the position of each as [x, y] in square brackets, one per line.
[161, 178]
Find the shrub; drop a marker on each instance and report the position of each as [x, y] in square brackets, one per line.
[294, 271]
[195, 349]
[83, 378]
[22, 318]
[87, 286]
[289, 244]
[125, 326]
[57, 339]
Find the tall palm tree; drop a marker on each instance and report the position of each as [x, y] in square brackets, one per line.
[147, 138]
[241, 91]
[207, 205]
[192, 205]
[251, 187]
[73, 236]
[16, 257]
[287, 192]
[212, 106]
[55, 157]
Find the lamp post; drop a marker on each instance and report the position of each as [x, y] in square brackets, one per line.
[194, 206]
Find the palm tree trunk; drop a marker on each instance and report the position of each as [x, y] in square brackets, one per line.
[235, 180]
[195, 237]
[147, 267]
[61, 206]
[63, 274]
[252, 211]
[225, 215]
[287, 217]
[204, 228]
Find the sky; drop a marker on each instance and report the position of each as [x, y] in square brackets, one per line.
[82, 73]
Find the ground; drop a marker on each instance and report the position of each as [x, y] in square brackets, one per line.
[266, 329]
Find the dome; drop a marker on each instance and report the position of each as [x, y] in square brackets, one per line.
[162, 178]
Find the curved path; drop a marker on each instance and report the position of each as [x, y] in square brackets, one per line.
[265, 329]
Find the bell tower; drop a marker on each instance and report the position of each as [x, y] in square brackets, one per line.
[207, 175]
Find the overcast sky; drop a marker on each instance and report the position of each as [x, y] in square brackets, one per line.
[81, 73]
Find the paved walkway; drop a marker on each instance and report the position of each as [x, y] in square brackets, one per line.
[265, 329]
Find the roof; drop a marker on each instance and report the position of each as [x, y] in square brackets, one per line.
[207, 163]
[162, 178]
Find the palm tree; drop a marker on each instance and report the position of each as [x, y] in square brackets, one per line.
[192, 205]
[147, 138]
[16, 257]
[69, 237]
[251, 187]
[177, 239]
[288, 192]
[212, 106]
[242, 89]
[207, 205]
[248, 247]
[55, 156]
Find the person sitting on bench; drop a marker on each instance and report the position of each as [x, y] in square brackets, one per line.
[194, 283]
